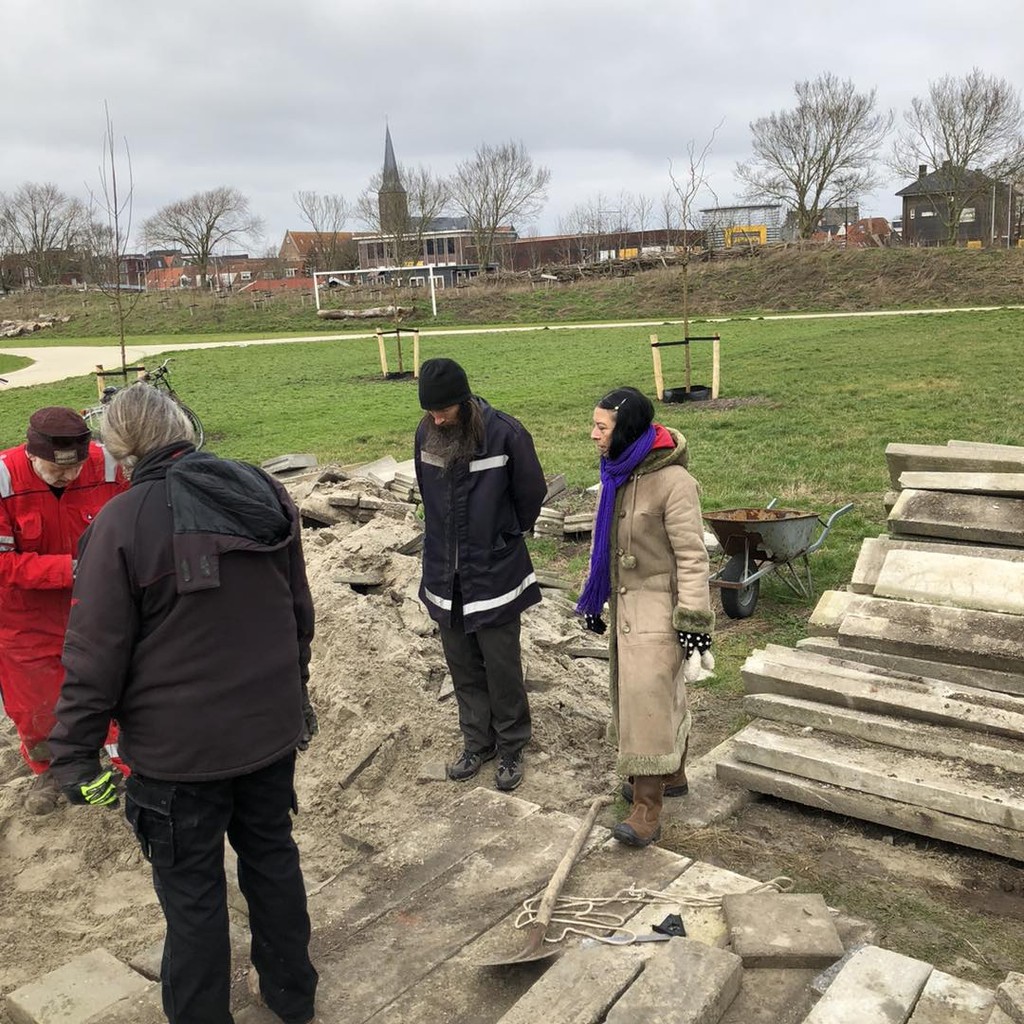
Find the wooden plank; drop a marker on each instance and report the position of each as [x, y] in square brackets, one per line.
[890, 813]
[903, 458]
[953, 580]
[1008, 485]
[871, 661]
[967, 790]
[905, 734]
[927, 700]
[982, 519]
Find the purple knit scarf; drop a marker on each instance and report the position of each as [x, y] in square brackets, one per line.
[614, 473]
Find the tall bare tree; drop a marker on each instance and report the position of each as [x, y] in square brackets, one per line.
[45, 227]
[963, 126]
[428, 197]
[818, 154]
[198, 224]
[497, 185]
[327, 214]
[110, 233]
[643, 211]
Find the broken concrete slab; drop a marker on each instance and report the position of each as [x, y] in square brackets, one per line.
[781, 930]
[988, 640]
[949, 1000]
[953, 580]
[893, 664]
[710, 977]
[891, 813]
[80, 989]
[794, 674]
[289, 463]
[983, 519]
[1010, 997]
[833, 606]
[1008, 485]
[873, 552]
[381, 471]
[935, 458]
[906, 734]
[318, 510]
[974, 792]
[875, 987]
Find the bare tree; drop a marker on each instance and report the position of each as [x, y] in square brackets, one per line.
[669, 215]
[643, 211]
[327, 214]
[428, 197]
[45, 226]
[497, 185]
[198, 224]
[962, 127]
[110, 234]
[687, 187]
[818, 154]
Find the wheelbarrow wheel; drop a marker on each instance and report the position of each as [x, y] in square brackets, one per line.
[739, 604]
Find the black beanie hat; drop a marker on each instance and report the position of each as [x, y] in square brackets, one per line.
[443, 383]
[59, 435]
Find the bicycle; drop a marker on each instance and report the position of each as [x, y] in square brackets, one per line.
[158, 378]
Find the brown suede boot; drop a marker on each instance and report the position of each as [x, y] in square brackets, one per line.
[643, 826]
[675, 783]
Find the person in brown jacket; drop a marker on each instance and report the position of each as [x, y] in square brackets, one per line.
[648, 561]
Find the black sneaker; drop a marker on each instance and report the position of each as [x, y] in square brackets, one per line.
[510, 772]
[468, 764]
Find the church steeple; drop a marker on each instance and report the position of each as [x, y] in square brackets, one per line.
[392, 202]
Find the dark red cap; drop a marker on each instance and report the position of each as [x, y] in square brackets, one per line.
[58, 435]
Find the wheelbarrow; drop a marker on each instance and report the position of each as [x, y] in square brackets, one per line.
[759, 541]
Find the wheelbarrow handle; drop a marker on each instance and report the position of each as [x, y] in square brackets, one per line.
[827, 526]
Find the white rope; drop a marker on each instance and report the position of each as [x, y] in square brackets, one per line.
[588, 916]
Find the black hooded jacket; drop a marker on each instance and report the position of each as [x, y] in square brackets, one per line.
[191, 624]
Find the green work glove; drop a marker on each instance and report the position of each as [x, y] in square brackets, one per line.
[99, 792]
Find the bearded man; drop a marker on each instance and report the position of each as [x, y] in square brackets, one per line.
[482, 487]
[51, 488]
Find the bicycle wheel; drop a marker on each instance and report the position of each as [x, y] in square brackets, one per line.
[93, 417]
[197, 424]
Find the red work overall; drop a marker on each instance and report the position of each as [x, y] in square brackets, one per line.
[39, 534]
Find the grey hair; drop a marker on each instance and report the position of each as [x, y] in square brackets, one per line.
[140, 419]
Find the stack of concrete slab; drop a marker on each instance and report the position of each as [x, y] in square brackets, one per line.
[401, 933]
[906, 704]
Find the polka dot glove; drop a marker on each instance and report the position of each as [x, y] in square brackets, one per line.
[691, 642]
[594, 623]
[698, 661]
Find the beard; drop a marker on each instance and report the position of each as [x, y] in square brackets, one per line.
[456, 444]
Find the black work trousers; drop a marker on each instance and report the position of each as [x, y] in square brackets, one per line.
[181, 828]
[487, 673]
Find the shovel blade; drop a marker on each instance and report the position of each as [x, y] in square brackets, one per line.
[533, 949]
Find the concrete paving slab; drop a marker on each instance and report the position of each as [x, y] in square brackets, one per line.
[997, 1016]
[1008, 485]
[927, 700]
[1010, 997]
[1016, 450]
[894, 664]
[709, 800]
[869, 564]
[974, 792]
[80, 989]
[953, 580]
[289, 463]
[147, 962]
[684, 982]
[147, 1008]
[891, 813]
[983, 519]
[949, 1000]
[832, 607]
[988, 640]
[875, 987]
[772, 996]
[936, 458]
[781, 930]
[906, 734]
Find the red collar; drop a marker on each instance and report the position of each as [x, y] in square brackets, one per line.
[662, 438]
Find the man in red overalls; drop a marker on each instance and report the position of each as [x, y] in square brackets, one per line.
[50, 490]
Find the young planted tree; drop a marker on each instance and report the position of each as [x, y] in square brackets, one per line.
[496, 186]
[819, 154]
[971, 130]
[45, 228]
[327, 214]
[200, 223]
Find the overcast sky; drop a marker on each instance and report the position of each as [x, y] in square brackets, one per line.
[273, 97]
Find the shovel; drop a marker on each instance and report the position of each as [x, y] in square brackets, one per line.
[537, 929]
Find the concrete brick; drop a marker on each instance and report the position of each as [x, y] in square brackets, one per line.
[710, 979]
[74, 993]
[949, 1000]
[875, 987]
[781, 930]
[1010, 997]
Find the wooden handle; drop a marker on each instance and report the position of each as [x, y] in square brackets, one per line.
[554, 887]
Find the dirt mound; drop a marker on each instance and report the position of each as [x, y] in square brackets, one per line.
[74, 880]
